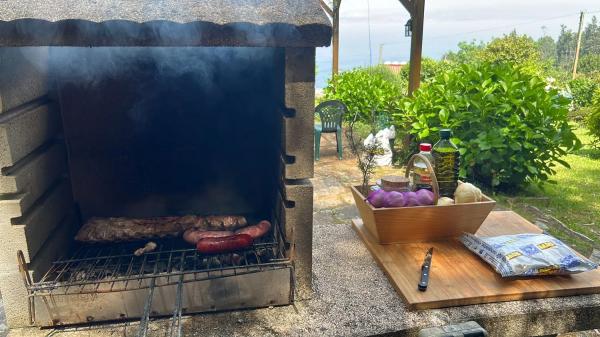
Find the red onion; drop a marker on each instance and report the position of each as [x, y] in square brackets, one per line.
[411, 199]
[377, 198]
[424, 197]
[394, 199]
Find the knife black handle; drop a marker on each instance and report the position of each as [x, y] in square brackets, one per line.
[424, 278]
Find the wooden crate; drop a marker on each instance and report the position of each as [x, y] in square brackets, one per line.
[421, 223]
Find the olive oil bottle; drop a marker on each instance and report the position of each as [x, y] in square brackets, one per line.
[447, 162]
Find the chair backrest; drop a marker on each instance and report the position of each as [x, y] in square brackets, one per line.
[331, 114]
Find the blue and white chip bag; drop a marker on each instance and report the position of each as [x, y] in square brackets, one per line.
[527, 254]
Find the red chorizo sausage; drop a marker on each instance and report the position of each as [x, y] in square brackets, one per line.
[224, 244]
[194, 235]
[257, 230]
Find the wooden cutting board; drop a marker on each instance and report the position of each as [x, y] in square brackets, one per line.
[459, 277]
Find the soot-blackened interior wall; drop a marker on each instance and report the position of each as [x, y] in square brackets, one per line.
[165, 131]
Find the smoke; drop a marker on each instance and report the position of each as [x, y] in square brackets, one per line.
[92, 68]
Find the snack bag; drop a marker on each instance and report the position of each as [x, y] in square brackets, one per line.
[527, 254]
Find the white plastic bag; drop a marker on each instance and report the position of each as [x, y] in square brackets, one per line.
[527, 254]
[382, 139]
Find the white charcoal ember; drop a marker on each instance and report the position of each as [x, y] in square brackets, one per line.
[131, 229]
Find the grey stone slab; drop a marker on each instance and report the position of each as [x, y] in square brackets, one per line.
[353, 298]
[167, 22]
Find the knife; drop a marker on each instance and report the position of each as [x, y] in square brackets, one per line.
[425, 268]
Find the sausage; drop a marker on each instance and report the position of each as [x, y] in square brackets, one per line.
[257, 230]
[224, 244]
[194, 235]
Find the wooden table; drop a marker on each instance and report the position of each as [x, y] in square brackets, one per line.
[459, 277]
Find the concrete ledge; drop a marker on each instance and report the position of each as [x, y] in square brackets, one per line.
[298, 122]
[352, 297]
[25, 131]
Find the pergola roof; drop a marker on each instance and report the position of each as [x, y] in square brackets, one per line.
[285, 23]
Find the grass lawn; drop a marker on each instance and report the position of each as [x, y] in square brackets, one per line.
[574, 200]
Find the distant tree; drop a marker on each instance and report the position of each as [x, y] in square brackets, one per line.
[513, 48]
[591, 38]
[467, 52]
[519, 50]
[565, 48]
[589, 63]
[547, 48]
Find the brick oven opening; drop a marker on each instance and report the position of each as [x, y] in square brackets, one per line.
[171, 131]
[165, 132]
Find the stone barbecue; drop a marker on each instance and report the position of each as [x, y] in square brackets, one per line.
[138, 109]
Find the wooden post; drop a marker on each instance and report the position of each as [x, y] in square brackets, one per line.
[334, 13]
[336, 38]
[578, 45]
[416, 45]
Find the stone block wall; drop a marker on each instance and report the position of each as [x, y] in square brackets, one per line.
[36, 202]
[298, 157]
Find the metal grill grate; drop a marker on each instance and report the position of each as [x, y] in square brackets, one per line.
[105, 269]
[96, 269]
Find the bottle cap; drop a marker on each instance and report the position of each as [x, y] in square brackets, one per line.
[445, 133]
[426, 147]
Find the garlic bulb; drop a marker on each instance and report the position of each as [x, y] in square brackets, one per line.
[445, 201]
[467, 193]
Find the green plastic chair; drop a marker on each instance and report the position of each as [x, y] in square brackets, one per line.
[331, 114]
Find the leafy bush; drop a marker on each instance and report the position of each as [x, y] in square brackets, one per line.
[582, 88]
[509, 129]
[589, 63]
[429, 69]
[593, 119]
[364, 90]
[467, 52]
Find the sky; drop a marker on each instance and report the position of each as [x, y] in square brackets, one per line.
[447, 22]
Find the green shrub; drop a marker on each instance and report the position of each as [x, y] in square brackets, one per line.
[366, 89]
[429, 69]
[518, 50]
[582, 88]
[509, 129]
[593, 119]
[589, 63]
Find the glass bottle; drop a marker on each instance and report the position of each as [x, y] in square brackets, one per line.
[447, 162]
[421, 174]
